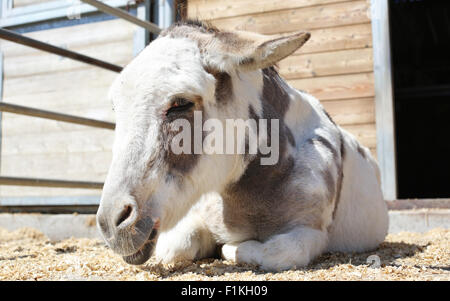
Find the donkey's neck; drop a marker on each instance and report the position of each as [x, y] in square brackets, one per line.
[247, 200]
[295, 109]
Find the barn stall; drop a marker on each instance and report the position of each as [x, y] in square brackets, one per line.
[53, 166]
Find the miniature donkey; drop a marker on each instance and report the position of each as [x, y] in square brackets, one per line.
[321, 194]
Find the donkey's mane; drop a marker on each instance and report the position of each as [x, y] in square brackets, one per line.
[202, 26]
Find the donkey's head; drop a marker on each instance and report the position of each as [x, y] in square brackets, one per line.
[192, 77]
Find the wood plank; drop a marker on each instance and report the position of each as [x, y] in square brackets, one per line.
[337, 87]
[74, 37]
[351, 111]
[66, 100]
[21, 3]
[52, 115]
[62, 142]
[16, 125]
[328, 39]
[216, 9]
[85, 166]
[323, 16]
[115, 52]
[338, 38]
[81, 79]
[328, 63]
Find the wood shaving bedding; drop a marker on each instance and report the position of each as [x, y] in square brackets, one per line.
[27, 254]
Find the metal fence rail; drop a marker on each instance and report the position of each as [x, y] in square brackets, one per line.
[123, 15]
[11, 108]
[16, 181]
[23, 40]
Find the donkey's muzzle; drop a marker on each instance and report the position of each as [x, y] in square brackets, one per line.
[144, 253]
[126, 230]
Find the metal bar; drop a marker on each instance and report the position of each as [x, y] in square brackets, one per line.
[148, 17]
[124, 15]
[60, 209]
[60, 200]
[23, 40]
[10, 108]
[165, 13]
[51, 10]
[140, 36]
[15, 181]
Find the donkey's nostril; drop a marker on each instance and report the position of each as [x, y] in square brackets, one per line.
[124, 215]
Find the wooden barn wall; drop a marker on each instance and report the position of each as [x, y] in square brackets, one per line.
[22, 3]
[335, 65]
[33, 147]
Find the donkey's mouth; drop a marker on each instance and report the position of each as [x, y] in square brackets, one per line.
[145, 252]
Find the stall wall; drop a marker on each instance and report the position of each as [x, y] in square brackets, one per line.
[336, 65]
[33, 147]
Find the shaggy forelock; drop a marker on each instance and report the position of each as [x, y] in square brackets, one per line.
[188, 27]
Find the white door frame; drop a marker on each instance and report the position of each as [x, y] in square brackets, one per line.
[384, 100]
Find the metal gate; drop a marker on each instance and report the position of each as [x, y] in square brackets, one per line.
[33, 112]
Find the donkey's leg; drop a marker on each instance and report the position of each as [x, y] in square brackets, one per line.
[188, 240]
[283, 251]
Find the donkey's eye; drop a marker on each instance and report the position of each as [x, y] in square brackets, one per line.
[179, 105]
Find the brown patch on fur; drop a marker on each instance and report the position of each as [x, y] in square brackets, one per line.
[334, 186]
[252, 114]
[247, 61]
[224, 86]
[274, 93]
[290, 136]
[276, 99]
[252, 202]
[340, 177]
[180, 164]
[259, 200]
[331, 183]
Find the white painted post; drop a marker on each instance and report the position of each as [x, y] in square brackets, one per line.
[166, 13]
[384, 101]
[140, 36]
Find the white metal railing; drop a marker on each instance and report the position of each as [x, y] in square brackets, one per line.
[11, 108]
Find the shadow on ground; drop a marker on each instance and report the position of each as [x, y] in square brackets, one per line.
[387, 254]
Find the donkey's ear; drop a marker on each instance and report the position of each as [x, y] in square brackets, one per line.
[268, 50]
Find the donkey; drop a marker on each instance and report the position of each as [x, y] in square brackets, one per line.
[321, 195]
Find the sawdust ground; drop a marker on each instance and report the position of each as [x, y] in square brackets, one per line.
[26, 254]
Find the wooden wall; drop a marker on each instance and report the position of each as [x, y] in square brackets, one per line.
[22, 3]
[33, 147]
[335, 65]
